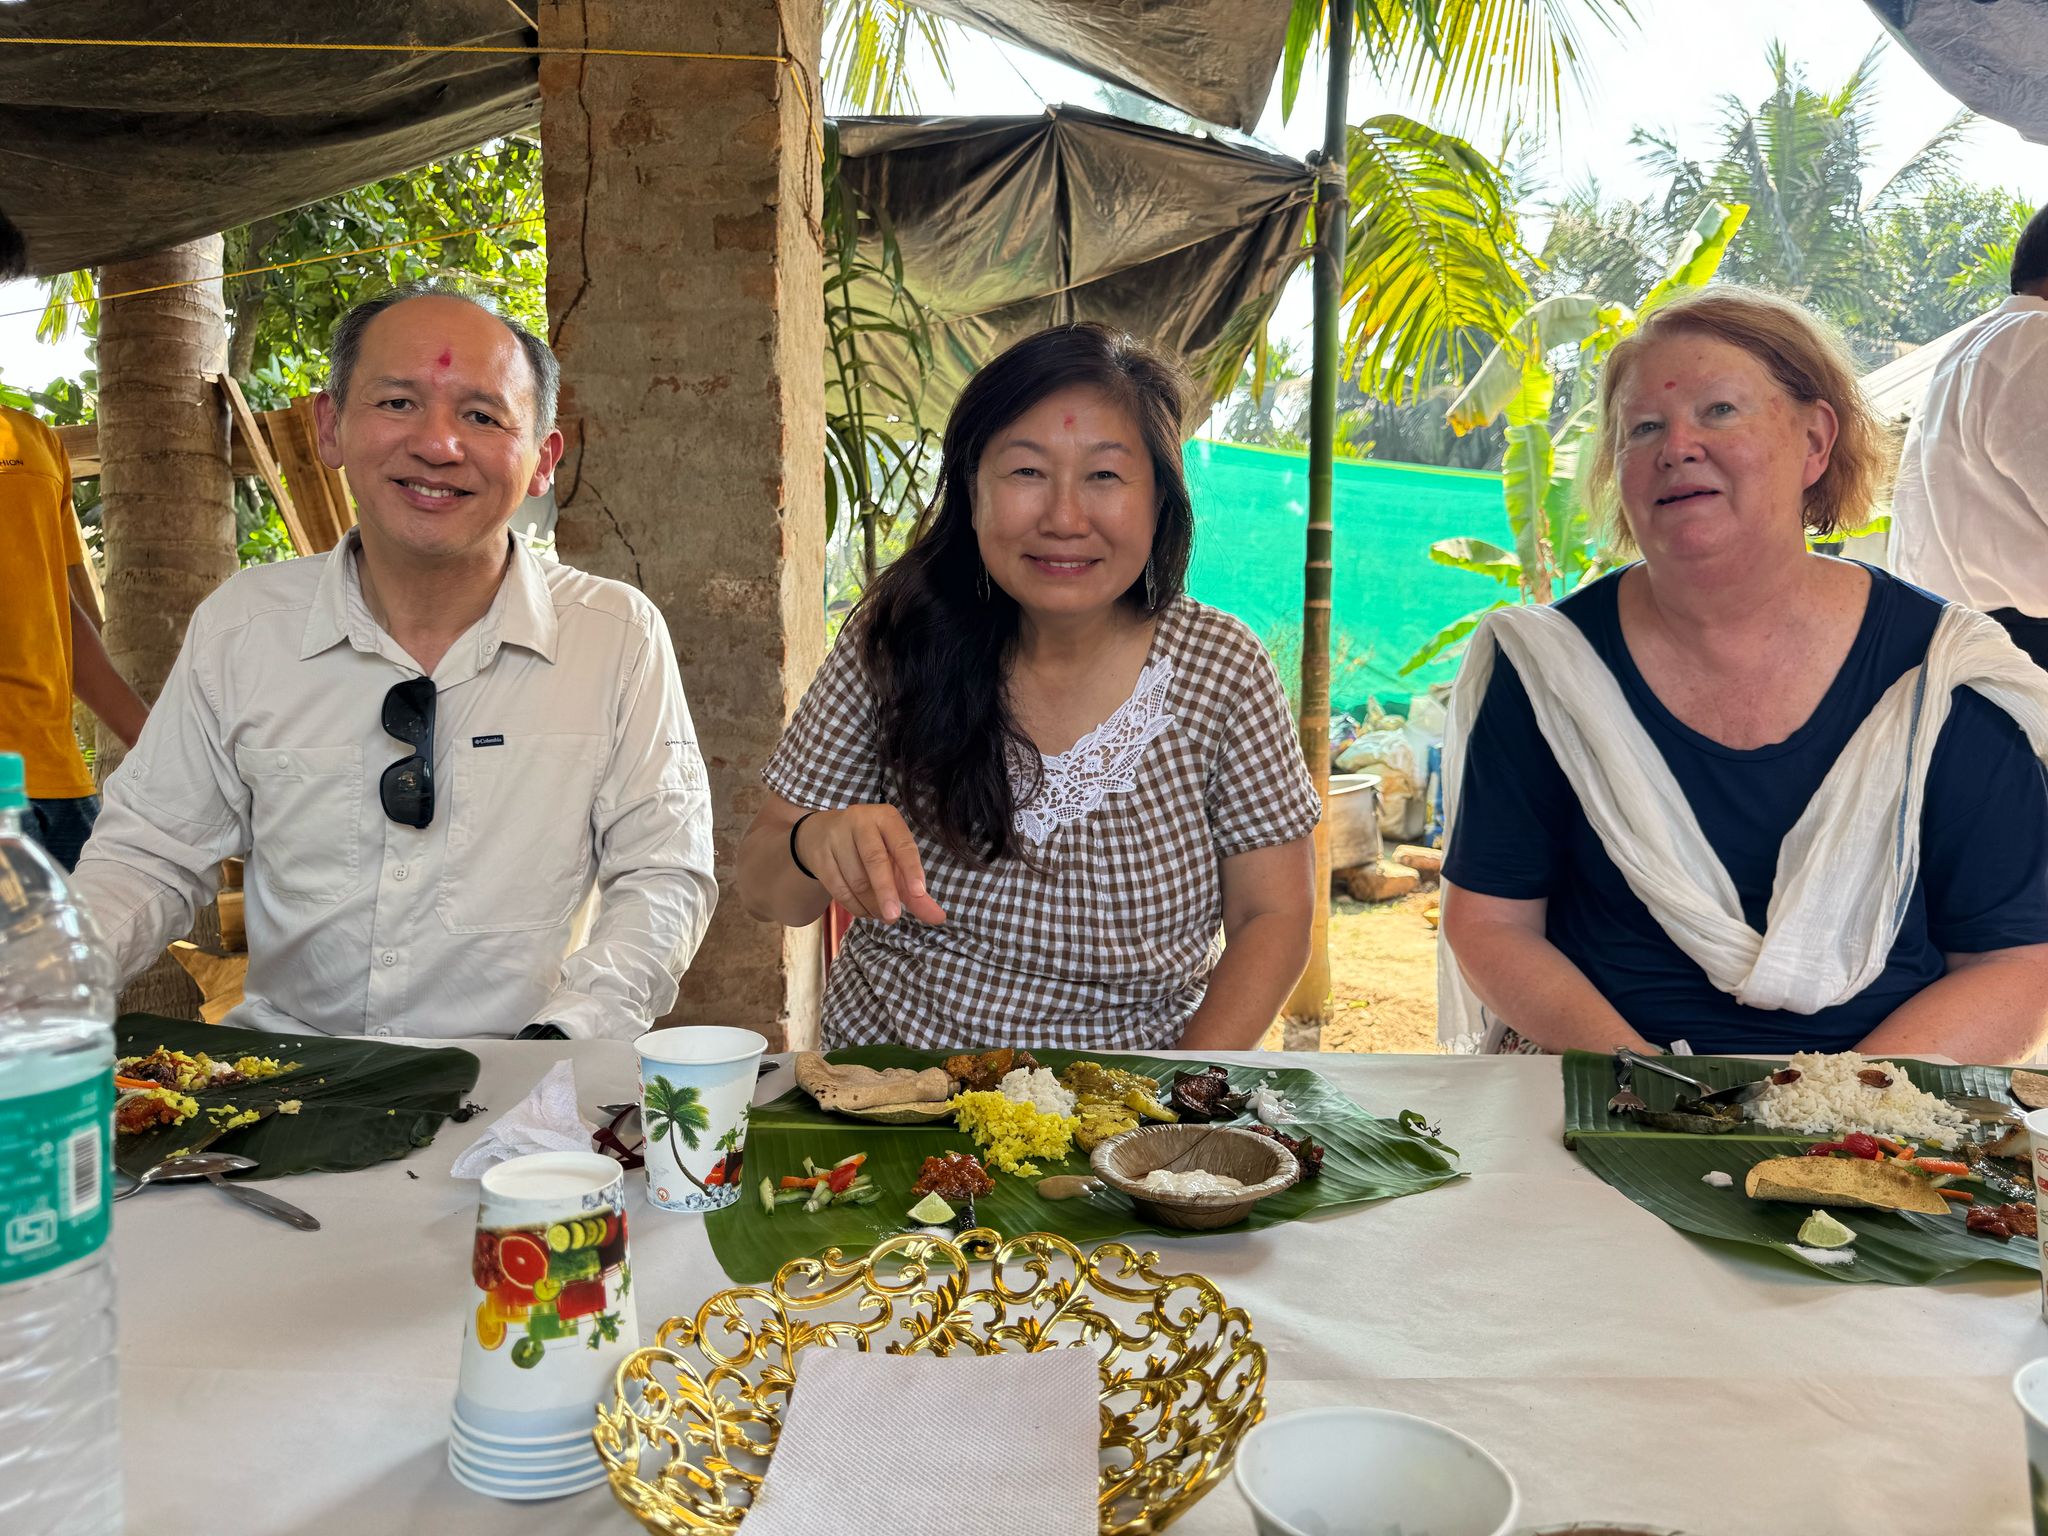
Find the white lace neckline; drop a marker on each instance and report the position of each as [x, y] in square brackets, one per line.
[1103, 762]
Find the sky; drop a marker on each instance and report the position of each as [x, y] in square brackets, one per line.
[1668, 73]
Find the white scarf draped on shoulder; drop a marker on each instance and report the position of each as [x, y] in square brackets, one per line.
[1847, 868]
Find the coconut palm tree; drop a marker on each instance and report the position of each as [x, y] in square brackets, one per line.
[166, 513]
[681, 1110]
[1801, 160]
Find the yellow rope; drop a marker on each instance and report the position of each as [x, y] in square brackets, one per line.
[537, 52]
[281, 266]
[498, 48]
[788, 62]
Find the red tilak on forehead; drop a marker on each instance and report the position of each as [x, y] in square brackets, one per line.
[448, 357]
[1067, 421]
[1671, 383]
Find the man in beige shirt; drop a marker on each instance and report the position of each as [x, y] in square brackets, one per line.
[430, 745]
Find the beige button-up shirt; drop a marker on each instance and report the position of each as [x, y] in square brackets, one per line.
[1970, 510]
[564, 761]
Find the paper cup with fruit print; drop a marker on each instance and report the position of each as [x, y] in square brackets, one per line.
[696, 1088]
[551, 1308]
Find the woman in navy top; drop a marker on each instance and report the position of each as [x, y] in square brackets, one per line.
[1731, 426]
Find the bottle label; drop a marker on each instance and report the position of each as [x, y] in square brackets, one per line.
[54, 1196]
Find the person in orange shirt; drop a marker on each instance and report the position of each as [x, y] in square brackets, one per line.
[49, 647]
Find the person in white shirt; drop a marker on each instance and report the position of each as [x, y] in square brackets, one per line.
[1970, 514]
[430, 746]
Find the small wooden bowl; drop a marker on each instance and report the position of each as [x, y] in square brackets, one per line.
[1260, 1163]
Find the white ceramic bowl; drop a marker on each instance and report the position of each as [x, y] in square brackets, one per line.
[1334, 1471]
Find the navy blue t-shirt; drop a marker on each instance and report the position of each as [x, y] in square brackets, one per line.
[1983, 883]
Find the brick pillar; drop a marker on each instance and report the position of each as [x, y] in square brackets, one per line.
[685, 299]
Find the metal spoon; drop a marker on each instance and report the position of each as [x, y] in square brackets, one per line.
[188, 1165]
[1702, 1095]
[211, 1166]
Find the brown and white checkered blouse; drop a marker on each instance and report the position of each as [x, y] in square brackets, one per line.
[1109, 943]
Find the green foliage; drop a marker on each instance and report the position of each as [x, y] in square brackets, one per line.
[282, 320]
[869, 46]
[1427, 259]
[1609, 251]
[1937, 261]
[1801, 159]
[875, 436]
[1465, 53]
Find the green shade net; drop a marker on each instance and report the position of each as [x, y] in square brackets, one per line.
[1251, 515]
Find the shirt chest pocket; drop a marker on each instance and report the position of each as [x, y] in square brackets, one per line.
[305, 820]
[519, 838]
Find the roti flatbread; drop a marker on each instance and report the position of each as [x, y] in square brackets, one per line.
[2031, 1089]
[847, 1089]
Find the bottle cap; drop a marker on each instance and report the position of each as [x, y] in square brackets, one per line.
[13, 782]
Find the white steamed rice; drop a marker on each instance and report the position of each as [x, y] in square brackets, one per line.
[1039, 1088]
[1829, 1099]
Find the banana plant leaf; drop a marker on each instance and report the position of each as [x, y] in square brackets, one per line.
[361, 1101]
[1367, 1158]
[1589, 1084]
[1665, 1173]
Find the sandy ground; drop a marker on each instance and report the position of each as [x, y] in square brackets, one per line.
[1383, 975]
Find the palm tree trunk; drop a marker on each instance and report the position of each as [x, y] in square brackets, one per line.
[168, 509]
[1309, 1008]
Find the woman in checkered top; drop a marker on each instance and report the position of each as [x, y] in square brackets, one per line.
[1045, 782]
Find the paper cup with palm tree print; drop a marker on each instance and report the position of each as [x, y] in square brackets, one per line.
[696, 1086]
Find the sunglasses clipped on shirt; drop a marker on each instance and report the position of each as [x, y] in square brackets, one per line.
[407, 788]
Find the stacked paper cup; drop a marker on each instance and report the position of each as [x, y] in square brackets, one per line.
[553, 1318]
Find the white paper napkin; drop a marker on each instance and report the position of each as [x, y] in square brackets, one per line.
[973, 1445]
[544, 1121]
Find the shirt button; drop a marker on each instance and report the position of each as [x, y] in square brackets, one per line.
[283, 762]
[389, 957]
[380, 1030]
[398, 873]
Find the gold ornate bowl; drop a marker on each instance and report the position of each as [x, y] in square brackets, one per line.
[689, 1434]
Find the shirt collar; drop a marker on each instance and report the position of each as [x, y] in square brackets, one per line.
[327, 620]
[525, 610]
[2022, 304]
[522, 613]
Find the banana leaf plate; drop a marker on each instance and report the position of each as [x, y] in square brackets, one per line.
[1366, 1158]
[1665, 1173]
[360, 1101]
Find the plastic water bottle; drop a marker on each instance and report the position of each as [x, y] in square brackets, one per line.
[60, 1461]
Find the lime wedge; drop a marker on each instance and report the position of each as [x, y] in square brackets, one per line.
[931, 1211]
[1820, 1230]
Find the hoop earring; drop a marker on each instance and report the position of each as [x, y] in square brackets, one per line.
[981, 583]
[1151, 595]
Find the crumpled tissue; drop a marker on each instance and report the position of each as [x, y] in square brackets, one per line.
[544, 1121]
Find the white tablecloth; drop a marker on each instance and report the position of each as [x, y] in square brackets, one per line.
[277, 1382]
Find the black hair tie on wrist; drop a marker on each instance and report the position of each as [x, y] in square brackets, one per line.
[794, 857]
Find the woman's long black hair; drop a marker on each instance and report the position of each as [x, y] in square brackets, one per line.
[936, 635]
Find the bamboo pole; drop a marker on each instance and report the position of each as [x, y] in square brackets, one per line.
[1309, 1008]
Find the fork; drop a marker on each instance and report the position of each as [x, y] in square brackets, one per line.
[1625, 1100]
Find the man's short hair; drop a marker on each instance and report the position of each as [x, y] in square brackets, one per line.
[2030, 254]
[347, 345]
